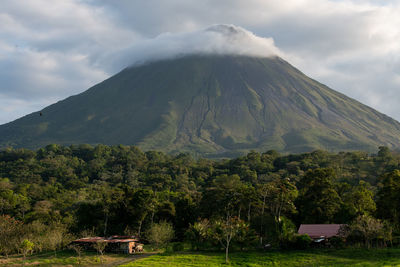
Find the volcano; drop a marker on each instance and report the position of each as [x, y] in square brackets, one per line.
[209, 105]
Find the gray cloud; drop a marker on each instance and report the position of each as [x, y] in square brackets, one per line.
[49, 50]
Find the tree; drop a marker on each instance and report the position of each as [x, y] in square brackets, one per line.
[388, 197]
[223, 196]
[26, 247]
[78, 250]
[198, 233]
[11, 233]
[139, 206]
[36, 232]
[245, 235]
[224, 231]
[263, 190]
[8, 201]
[360, 200]
[54, 238]
[280, 195]
[160, 233]
[186, 213]
[366, 229]
[318, 200]
[100, 247]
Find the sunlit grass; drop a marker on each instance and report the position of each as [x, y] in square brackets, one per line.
[345, 257]
[63, 258]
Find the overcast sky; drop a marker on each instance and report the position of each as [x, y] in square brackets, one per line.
[53, 49]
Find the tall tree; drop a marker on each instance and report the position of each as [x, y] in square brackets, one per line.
[388, 197]
[318, 200]
[360, 200]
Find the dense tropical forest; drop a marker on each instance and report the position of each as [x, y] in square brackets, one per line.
[50, 196]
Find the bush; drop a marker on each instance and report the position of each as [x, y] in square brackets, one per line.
[160, 234]
[178, 247]
[302, 241]
[197, 234]
[368, 231]
[336, 242]
[297, 242]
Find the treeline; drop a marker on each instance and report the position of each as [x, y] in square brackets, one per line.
[105, 190]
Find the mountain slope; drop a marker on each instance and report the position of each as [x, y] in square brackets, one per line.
[208, 105]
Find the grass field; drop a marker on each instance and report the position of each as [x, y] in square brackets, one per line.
[345, 257]
[63, 258]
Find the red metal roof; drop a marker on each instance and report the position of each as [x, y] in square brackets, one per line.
[124, 237]
[90, 239]
[113, 239]
[320, 230]
[120, 240]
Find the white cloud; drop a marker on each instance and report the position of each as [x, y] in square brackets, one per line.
[219, 39]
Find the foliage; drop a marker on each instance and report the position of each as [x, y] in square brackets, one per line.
[226, 230]
[160, 233]
[198, 233]
[359, 200]
[245, 237]
[337, 242]
[287, 230]
[10, 234]
[58, 192]
[26, 247]
[302, 241]
[318, 201]
[365, 229]
[296, 241]
[54, 238]
[100, 247]
[78, 250]
[176, 247]
[389, 196]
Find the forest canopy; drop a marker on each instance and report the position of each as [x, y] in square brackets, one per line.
[105, 190]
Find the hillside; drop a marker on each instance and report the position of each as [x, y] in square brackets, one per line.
[208, 105]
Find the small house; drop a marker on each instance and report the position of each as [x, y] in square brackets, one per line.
[320, 232]
[116, 244]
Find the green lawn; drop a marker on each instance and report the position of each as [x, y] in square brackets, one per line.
[345, 257]
[63, 258]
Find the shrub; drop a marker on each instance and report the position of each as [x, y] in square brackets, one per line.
[297, 242]
[26, 247]
[178, 247]
[197, 234]
[302, 241]
[367, 230]
[160, 234]
[336, 242]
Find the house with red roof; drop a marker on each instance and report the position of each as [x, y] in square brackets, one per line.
[115, 243]
[320, 231]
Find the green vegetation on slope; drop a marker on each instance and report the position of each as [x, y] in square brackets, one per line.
[209, 106]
